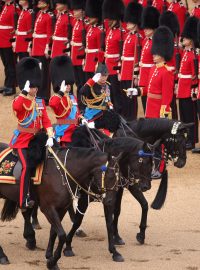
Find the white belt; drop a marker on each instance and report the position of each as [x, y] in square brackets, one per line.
[76, 43]
[182, 76]
[21, 33]
[39, 35]
[124, 58]
[6, 27]
[91, 50]
[145, 65]
[111, 55]
[60, 38]
[170, 68]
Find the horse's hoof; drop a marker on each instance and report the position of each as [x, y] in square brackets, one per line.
[118, 241]
[4, 261]
[36, 226]
[80, 233]
[50, 264]
[118, 258]
[68, 253]
[140, 238]
[31, 245]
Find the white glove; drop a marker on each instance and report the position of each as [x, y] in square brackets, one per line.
[49, 142]
[132, 92]
[96, 77]
[91, 125]
[84, 121]
[63, 87]
[27, 86]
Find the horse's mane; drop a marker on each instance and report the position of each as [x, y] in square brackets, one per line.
[155, 127]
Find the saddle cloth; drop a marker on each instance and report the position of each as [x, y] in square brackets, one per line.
[10, 169]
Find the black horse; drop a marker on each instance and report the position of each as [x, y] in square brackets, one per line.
[54, 195]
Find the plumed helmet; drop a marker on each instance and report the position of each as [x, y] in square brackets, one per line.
[163, 43]
[64, 2]
[77, 4]
[133, 13]
[61, 69]
[29, 69]
[169, 19]
[93, 9]
[190, 29]
[102, 68]
[150, 18]
[113, 10]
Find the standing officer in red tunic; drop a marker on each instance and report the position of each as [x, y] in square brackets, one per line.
[187, 82]
[64, 105]
[161, 78]
[180, 10]
[130, 59]
[78, 44]
[114, 46]
[160, 5]
[23, 34]
[42, 35]
[7, 29]
[93, 37]
[31, 117]
[61, 36]
[150, 21]
[196, 10]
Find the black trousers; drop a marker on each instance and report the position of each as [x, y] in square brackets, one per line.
[45, 90]
[88, 75]
[174, 108]
[25, 177]
[144, 103]
[21, 55]
[129, 105]
[79, 81]
[115, 93]
[188, 114]
[198, 108]
[8, 59]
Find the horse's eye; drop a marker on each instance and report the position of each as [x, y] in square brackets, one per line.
[140, 160]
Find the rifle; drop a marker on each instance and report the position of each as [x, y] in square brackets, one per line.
[164, 6]
[16, 16]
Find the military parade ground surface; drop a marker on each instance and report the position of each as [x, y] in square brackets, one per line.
[172, 236]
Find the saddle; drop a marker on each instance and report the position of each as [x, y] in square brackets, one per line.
[11, 167]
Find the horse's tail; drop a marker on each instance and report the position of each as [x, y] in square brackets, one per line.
[162, 192]
[9, 211]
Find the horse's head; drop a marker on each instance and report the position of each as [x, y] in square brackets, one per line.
[175, 143]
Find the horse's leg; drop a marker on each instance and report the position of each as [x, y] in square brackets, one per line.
[82, 207]
[54, 219]
[139, 196]
[80, 232]
[35, 222]
[29, 233]
[109, 211]
[3, 258]
[117, 239]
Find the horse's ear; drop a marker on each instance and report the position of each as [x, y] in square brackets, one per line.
[185, 126]
[152, 147]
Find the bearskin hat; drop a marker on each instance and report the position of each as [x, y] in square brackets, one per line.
[109, 120]
[93, 9]
[28, 69]
[133, 13]
[61, 69]
[190, 29]
[77, 4]
[64, 2]
[169, 19]
[102, 68]
[163, 43]
[150, 18]
[113, 10]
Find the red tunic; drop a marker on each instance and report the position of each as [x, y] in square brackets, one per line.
[77, 48]
[24, 27]
[186, 75]
[143, 2]
[146, 62]
[129, 56]
[159, 4]
[62, 109]
[181, 12]
[42, 33]
[196, 12]
[93, 45]
[161, 83]
[7, 25]
[23, 108]
[60, 36]
[112, 52]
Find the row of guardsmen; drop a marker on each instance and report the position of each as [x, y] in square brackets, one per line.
[119, 34]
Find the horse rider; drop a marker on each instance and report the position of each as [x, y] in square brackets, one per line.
[31, 118]
[63, 104]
